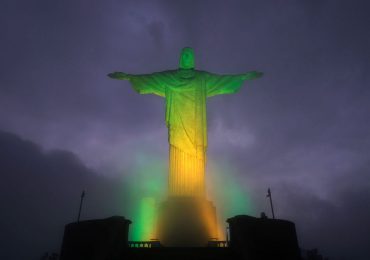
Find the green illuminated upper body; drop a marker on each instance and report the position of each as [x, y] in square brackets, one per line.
[186, 91]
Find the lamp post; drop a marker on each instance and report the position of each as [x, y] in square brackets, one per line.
[272, 207]
[81, 201]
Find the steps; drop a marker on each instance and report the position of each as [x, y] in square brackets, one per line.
[180, 253]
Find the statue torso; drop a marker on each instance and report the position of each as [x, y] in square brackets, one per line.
[186, 109]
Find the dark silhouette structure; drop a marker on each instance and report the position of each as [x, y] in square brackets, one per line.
[263, 238]
[250, 239]
[312, 254]
[95, 239]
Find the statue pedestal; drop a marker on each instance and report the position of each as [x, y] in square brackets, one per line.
[187, 222]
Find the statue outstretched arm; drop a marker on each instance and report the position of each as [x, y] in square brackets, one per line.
[144, 83]
[228, 84]
[252, 75]
[119, 75]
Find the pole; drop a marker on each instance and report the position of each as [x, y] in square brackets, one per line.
[79, 211]
[272, 207]
[227, 236]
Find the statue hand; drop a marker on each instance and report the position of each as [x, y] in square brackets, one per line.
[119, 75]
[252, 75]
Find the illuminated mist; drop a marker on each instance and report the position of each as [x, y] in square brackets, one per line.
[147, 187]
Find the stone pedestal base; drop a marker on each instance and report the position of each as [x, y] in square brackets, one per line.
[187, 222]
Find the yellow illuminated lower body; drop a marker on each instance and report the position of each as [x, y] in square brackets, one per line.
[186, 173]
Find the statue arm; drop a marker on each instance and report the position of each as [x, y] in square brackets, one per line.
[252, 75]
[143, 83]
[228, 84]
[119, 75]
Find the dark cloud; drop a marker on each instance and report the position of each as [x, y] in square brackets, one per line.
[40, 194]
[303, 126]
[339, 227]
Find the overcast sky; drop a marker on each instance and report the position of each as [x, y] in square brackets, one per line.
[303, 129]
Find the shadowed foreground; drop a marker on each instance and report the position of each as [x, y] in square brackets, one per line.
[250, 238]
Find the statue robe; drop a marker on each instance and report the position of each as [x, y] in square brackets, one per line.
[186, 92]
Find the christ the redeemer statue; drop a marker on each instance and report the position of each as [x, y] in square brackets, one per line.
[186, 91]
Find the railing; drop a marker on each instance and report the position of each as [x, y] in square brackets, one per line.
[156, 243]
[218, 243]
[144, 244]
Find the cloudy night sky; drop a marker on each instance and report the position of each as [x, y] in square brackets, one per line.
[303, 129]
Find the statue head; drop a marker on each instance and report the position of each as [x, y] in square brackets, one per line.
[187, 58]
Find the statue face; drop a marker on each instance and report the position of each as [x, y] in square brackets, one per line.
[187, 58]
